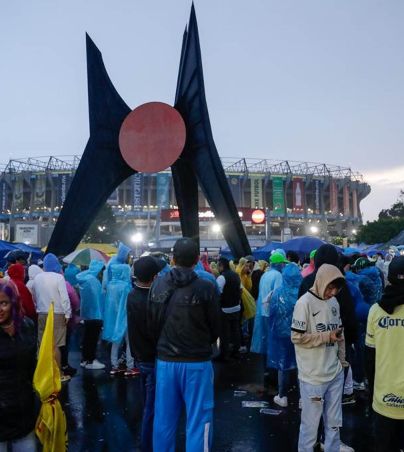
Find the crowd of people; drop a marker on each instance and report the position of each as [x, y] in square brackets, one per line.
[336, 322]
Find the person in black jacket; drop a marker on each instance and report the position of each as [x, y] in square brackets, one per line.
[230, 302]
[17, 366]
[141, 344]
[184, 319]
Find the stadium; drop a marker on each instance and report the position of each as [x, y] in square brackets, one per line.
[276, 199]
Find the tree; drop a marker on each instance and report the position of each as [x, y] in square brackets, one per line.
[396, 210]
[103, 228]
[389, 224]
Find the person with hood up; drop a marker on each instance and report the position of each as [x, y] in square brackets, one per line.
[91, 311]
[50, 287]
[16, 272]
[281, 352]
[385, 364]
[70, 273]
[184, 321]
[320, 354]
[33, 270]
[122, 257]
[270, 280]
[370, 282]
[115, 319]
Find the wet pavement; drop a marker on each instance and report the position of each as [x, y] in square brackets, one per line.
[104, 413]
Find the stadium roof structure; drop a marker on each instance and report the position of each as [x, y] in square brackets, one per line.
[230, 164]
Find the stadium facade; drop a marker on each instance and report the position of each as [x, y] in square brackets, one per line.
[276, 199]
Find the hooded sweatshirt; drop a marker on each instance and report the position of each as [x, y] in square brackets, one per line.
[327, 254]
[16, 272]
[313, 320]
[33, 270]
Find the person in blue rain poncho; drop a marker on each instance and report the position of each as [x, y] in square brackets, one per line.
[202, 273]
[70, 273]
[115, 319]
[91, 311]
[281, 352]
[270, 280]
[371, 283]
[121, 257]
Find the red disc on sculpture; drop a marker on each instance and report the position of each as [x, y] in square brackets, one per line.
[152, 137]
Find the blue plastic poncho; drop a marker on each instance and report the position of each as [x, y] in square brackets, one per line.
[270, 280]
[361, 307]
[371, 285]
[51, 264]
[91, 307]
[115, 321]
[120, 258]
[71, 272]
[281, 351]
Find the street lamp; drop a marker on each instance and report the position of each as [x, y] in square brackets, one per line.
[314, 229]
[216, 228]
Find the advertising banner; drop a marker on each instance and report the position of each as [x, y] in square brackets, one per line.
[236, 187]
[298, 195]
[345, 193]
[278, 196]
[137, 191]
[317, 197]
[163, 190]
[355, 211]
[4, 196]
[257, 200]
[333, 197]
[62, 183]
[26, 233]
[205, 214]
[18, 193]
[39, 193]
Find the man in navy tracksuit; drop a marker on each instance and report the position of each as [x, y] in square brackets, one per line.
[184, 319]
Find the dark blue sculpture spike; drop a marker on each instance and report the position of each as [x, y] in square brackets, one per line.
[200, 152]
[102, 167]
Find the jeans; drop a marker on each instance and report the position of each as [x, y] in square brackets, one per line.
[358, 364]
[321, 400]
[179, 383]
[231, 333]
[92, 329]
[25, 444]
[387, 433]
[283, 382]
[130, 363]
[148, 381]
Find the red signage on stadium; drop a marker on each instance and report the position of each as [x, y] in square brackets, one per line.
[256, 216]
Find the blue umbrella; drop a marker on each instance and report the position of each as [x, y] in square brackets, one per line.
[302, 245]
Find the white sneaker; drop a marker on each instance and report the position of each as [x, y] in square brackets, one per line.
[243, 349]
[281, 401]
[95, 365]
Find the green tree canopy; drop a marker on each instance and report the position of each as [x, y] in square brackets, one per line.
[389, 224]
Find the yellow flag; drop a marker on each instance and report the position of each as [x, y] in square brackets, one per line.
[51, 423]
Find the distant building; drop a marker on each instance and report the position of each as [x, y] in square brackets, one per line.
[276, 198]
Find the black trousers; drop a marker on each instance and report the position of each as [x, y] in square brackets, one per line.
[389, 433]
[230, 333]
[92, 329]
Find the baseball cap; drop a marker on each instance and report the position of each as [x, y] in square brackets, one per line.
[185, 252]
[147, 267]
[396, 271]
[249, 258]
[278, 258]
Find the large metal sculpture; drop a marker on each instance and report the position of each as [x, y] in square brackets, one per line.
[102, 167]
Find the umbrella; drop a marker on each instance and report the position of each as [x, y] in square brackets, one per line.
[351, 250]
[302, 245]
[85, 256]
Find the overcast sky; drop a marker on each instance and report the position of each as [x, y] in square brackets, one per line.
[311, 80]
